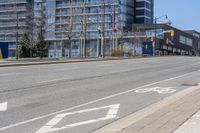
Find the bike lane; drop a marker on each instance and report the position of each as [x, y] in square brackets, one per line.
[94, 115]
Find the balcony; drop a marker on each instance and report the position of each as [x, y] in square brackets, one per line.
[80, 4]
[12, 2]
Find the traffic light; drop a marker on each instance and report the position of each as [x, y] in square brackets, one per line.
[172, 33]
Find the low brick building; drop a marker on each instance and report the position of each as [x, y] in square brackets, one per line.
[180, 43]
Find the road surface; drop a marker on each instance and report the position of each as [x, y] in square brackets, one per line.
[83, 97]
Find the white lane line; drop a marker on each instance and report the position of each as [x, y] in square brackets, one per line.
[3, 106]
[105, 65]
[49, 81]
[9, 74]
[66, 69]
[91, 102]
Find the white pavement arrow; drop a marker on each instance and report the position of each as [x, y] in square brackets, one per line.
[49, 127]
[3, 106]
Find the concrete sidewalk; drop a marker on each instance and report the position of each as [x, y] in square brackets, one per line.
[163, 117]
[190, 126]
[45, 61]
[169, 118]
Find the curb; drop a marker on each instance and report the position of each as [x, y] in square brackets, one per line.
[62, 62]
[127, 121]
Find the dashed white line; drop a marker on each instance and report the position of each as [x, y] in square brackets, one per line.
[9, 74]
[66, 69]
[105, 65]
[3, 106]
[53, 80]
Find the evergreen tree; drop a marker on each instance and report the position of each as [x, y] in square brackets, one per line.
[24, 49]
[41, 45]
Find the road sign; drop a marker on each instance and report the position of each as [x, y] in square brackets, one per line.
[3, 106]
[160, 90]
[50, 126]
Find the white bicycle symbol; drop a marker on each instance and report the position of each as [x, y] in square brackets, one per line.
[160, 90]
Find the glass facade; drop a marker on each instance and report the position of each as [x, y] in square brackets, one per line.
[87, 19]
[8, 17]
[97, 14]
[144, 11]
[10, 10]
[74, 24]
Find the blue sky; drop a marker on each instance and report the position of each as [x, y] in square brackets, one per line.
[184, 14]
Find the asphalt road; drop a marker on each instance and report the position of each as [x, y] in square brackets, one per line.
[82, 97]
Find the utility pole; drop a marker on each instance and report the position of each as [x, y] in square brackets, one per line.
[17, 32]
[85, 29]
[155, 28]
[104, 22]
[81, 46]
[98, 26]
[155, 40]
[103, 30]
[71, 28]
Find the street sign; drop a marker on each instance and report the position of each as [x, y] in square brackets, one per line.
[50, 126]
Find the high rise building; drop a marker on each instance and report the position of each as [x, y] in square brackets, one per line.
[73, 27]
[144, 11]
[89, 24]
[13, 21]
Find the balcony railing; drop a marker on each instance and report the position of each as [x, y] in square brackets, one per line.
[7, 2]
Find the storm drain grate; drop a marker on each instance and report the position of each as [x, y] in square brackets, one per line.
[189, 84]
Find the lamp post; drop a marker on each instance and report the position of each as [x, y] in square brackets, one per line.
[155, 31]
[103, 30]
[17, 32]
[85, 30]
[101, 36]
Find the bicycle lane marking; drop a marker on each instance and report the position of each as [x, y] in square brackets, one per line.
[50, 126]
[92, 102]
[160, 90]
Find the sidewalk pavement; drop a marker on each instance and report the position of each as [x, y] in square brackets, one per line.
[169, 118]
[163, 117]
[190, 126]
[45, 61]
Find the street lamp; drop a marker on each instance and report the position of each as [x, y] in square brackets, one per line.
[17, 31]
[101, 36]
[155, 31]
[103, 29]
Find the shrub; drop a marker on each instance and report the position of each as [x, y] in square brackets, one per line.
[117, 52]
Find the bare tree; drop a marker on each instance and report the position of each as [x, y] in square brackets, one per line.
[39, 25]
[69, 32]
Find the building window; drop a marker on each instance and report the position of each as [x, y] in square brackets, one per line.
[189, 41]
[199, 45]
[182, 39]
[185, 40]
